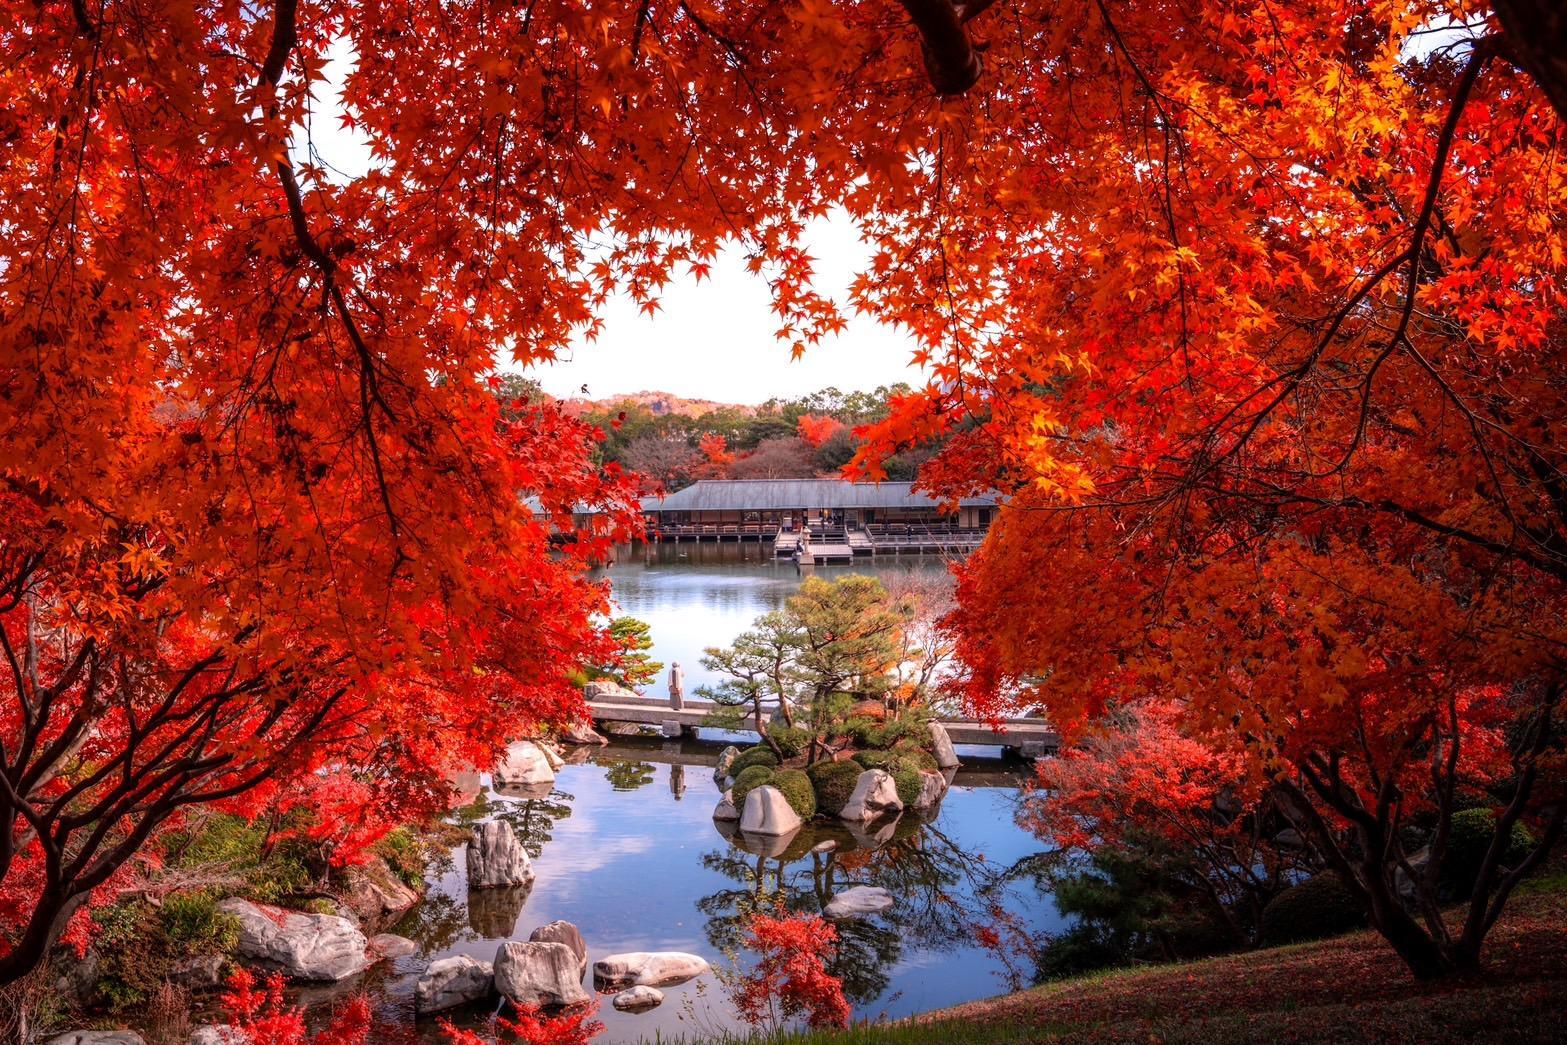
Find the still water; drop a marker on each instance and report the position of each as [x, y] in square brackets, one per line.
[625, 847]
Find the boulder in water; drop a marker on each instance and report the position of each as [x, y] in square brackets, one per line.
[941, 747]
[321, 947]
[496, 860]
[539, 974]
[648, 968]
[638, 999]
[767, 812]
[454, 981]
[875, 795]
[566, 933]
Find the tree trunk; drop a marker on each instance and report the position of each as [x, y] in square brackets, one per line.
[1536, 41]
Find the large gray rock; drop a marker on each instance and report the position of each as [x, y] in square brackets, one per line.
[550, 755]
[198, 971]
[525, 765]
[858, 902]
[648, 968]
[544, 974]
[725, 810]
[941, 747]
[496, 860]
[374, 893]
[638, 999]
[607, 690]
[875, 795]
[566, 933]
[98, 1037]
[453, 981]
[767, 812]
[302, 946]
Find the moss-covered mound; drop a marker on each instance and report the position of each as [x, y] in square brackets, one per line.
[749, 780]
[834, 784]
[759, 755]
[797, 791]
[909, 783]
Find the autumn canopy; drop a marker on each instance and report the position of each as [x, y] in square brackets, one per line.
[1253, 310]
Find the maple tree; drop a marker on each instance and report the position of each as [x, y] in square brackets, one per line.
[789, 979]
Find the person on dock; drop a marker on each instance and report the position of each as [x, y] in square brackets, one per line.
[677, 686]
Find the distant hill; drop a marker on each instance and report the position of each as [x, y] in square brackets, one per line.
[656, 403]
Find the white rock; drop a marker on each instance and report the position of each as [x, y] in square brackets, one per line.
[99, 1037]
[390, 945]
[767, 812]
[453, 981]
[933, 788]
[825, 847]
[524, 765]
[496, 859]
[649, 968]
[543, 974]
[302, 946]
[607, 690]
[218, 1034]
[638, 999]
[550, 755]
[566, 933]
[858, 902]
[726, 808]
[875, 794]
[941, 747]
[581, 733]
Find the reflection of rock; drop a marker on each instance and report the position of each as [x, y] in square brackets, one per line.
[767, 812]
[581, 733]
[374, 893]
[726, 758]
[496, 860]
[525, 765]
[566, 933]
[389, 945]
[647, 969]
[824, 847]
[726, 808]
[493, 913]
[858, 902]
[933, 788]
[875, 794]
[769, 846]
[638, 999]
[302, 946]
[941, 747]
[453, 981]
[539, 974]
[874, 834]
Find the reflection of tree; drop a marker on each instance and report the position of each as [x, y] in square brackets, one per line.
[534, 818]
[435, 924]
[947, 897]
[628, 776]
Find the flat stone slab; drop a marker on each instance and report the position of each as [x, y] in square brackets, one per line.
[649, 968]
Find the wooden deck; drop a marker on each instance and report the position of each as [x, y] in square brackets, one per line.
[1027, 736]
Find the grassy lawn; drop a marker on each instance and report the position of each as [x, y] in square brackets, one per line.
[1348, 989]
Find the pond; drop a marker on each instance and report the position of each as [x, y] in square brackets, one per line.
[626, 848]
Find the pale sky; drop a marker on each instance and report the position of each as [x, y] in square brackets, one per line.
[708, 340]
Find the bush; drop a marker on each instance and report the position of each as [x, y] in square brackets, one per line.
[797, 791]
[909, 783]
[404, 854]
[791, 740]
[833, 783]
[1322, 905]
[1467, 844]
[193, 921]
[873, 759]
[916, 758]
[751, 778]
[752, 756]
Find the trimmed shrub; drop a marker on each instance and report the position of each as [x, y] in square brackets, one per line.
[909, 783]
[916, 758]
[873, 759]
[834, 784]
[748, 780]
[791, 740]
[759, 755]
[797, 790]
[1322, 905]
[1467, 844]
